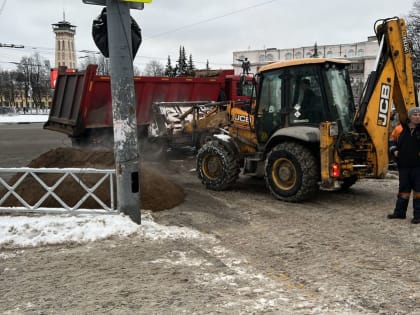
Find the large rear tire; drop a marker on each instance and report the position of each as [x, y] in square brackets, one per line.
[203, 138]
[217, 168]
[291, 172]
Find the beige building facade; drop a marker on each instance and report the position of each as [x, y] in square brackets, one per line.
[362, 56]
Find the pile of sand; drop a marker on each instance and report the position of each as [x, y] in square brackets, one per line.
[157, 192]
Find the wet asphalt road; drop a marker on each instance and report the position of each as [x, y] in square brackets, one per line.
[21, 143]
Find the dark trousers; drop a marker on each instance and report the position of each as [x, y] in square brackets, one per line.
[409, 180]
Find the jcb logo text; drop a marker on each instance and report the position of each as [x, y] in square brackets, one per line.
[406, 45]
[384, 105]
[242, 118]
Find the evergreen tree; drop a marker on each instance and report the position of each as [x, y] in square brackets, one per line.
[181, 66]
[190, 63]
[169, 71]
[190, 66]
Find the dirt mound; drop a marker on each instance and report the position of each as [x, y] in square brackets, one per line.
[157, 192]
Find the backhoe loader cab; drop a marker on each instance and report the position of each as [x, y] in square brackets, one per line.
[302, 92]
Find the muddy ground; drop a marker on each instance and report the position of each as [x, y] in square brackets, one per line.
[336, 254]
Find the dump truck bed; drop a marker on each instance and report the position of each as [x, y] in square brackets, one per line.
[82, 100]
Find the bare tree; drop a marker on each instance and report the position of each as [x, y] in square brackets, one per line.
[104, 65]
[154, 68]
[9, 88]
[34, 79]
[102, 62]
[413, 28]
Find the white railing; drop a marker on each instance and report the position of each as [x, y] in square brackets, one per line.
[107, 174]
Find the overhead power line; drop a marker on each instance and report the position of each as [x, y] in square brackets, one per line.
[211, 19]
[49, 50]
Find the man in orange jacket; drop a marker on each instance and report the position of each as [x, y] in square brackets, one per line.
[405, 147]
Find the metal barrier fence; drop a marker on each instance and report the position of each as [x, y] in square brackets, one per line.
[75, 173]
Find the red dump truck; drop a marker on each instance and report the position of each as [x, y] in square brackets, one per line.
[82, 104]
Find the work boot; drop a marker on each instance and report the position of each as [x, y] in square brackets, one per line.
[396, 216]
[415, 220]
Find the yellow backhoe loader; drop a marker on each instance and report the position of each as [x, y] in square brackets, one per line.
[303, 131]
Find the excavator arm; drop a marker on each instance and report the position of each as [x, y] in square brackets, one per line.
[390, 84]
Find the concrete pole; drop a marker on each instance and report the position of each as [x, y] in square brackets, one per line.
[124, 109]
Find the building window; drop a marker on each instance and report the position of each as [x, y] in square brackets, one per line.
[308, 54]
[329, 54]
[361, 52]
[269, 57]
[288, 56]
[298, 55]
[350, 53]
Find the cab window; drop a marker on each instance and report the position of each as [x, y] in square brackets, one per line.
[306, 97]
[270, 105]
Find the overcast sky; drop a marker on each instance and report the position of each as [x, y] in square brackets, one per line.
[209, 30]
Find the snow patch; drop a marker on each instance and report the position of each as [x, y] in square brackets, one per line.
[33, 231]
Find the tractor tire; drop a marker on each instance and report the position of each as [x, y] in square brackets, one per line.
[217, 168]
[203, 139]
[291, 172]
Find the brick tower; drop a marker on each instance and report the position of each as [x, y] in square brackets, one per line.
[65, 52]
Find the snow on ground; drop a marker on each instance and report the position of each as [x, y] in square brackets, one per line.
[27, 118]
[20, 232]
[33, 231]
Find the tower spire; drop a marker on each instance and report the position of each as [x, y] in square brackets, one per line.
[65, 52]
